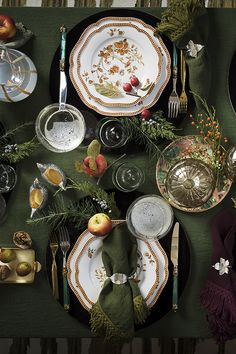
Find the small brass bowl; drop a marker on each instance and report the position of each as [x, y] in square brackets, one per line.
[190, 183]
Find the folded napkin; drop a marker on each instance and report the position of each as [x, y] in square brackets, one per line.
[119, 306]
[219, 293]
[184, 20]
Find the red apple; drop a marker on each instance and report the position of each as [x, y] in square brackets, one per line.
[134, 81]
[99, 224]
[127, 87]
[7, 27]
[146, 114]
[101, 163]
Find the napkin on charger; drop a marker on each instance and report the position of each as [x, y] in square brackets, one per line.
[218, 296]
[119, 306]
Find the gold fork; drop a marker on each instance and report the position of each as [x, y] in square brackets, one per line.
[54, 248]
[183, 97]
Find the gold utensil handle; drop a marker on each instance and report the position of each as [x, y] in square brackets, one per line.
[55, 280]
[183, 68]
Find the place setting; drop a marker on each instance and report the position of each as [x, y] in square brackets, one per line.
[154, 271]
[114, 171]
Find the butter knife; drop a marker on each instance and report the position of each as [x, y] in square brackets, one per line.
[63, 83]
[174, 260]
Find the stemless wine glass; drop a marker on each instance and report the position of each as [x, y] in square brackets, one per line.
[127, 177]
[18, 75]
[111, 133]
[8, 178]
[149, 217]
[60, 130]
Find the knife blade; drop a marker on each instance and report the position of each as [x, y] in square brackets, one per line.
[63, 82]
[174, 260]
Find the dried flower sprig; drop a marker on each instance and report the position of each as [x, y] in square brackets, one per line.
[208, 127]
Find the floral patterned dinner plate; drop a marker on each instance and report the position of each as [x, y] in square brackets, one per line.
[86, 273]
[194, 147]
[108, 54]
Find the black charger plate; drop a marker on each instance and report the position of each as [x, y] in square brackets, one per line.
[72, 38]
[164, 302]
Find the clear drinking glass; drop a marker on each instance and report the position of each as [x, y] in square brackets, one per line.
[60, 130]
[149, 217]
[127, 177]
[8, 178]
[112, 133]
[18, 75]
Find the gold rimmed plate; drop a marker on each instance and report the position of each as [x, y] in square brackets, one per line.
[125, 47]
[86, 273]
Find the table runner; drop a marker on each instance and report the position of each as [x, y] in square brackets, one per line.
[31, 310]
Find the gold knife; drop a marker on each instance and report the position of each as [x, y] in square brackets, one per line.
[174, 260]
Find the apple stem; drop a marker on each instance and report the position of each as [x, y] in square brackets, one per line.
[118, 159]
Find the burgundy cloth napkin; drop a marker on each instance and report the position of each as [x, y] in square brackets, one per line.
[218, 296]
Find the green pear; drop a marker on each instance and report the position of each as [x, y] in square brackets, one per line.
[7, 255]
[23, 269]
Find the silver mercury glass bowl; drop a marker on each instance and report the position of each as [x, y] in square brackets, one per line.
[230, 163]
[190, 183]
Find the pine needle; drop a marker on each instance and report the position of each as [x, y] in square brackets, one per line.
[79, 212]
[148, 133]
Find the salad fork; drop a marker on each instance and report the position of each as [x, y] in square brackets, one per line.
[174, 102]
[54, 247]
[183, 97]
[65, 245]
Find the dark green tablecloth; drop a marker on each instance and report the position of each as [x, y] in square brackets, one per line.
[30, 310]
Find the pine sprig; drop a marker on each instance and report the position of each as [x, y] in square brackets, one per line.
[98, 194]
[60, 213]
[20, 152]
[4, 135]
[147, 133]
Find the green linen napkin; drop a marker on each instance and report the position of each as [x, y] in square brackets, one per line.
[186, 20]
[119, 306]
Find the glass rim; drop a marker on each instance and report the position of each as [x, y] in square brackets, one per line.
[143, 237]
[15, 178]
[101, 124]
[49, 143]
[117, 185]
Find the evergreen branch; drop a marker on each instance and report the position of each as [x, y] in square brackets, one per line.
[19, 152]
[13, 131]
[147, 132]
[59, 213]
[97, 194]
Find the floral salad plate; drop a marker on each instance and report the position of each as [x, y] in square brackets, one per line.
[106, 56]
[86, 273]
